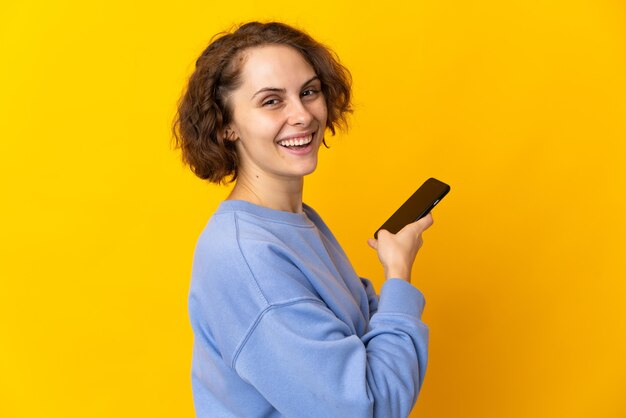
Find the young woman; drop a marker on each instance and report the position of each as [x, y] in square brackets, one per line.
[283, 325]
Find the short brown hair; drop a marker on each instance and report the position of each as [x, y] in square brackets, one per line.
[203, 111]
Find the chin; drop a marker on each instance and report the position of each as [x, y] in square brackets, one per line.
[310, 169]
[309, 172]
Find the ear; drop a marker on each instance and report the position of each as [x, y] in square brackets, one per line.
[228, 134]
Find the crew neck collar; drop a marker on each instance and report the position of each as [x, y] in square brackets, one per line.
[300, 219]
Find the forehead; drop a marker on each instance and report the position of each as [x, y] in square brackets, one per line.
[274, 66]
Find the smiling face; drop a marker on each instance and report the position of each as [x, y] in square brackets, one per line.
[278, 114]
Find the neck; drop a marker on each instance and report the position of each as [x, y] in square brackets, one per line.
[274, 193]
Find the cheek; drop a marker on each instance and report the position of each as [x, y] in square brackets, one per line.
[320, 111]
[259, 128]
[266, 130]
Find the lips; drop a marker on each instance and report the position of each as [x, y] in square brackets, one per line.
[298, 141]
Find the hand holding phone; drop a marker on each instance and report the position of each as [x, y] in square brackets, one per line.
[417, 206]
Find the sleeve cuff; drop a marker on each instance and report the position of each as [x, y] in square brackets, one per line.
[401, 297]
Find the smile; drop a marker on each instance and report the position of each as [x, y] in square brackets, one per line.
[297, 142]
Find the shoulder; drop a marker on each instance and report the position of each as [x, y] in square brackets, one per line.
[251, 256]
[326, 233]
[221, 281]
[243, 266]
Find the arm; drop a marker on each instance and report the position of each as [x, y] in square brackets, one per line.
[372, 297]
[308, 363]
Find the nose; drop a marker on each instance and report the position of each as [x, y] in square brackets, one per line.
[299, 114]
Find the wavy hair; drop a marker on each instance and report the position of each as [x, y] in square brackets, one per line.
[203, 109]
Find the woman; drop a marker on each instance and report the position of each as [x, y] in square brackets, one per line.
[283, 325]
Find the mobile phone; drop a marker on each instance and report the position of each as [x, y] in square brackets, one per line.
[417, 206]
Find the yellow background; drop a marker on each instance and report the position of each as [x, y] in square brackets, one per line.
[520, 106]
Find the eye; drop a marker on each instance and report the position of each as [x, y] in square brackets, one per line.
[310, 92]
[270, 102]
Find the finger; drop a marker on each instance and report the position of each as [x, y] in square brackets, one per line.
[414, 228]
[427, 220]
[422, 224]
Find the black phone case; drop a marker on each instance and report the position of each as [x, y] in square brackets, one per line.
[417, 206]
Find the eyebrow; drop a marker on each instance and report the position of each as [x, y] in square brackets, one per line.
[277, 90]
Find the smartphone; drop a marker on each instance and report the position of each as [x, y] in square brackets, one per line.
[419, 204]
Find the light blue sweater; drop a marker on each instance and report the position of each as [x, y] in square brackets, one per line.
[284, 327]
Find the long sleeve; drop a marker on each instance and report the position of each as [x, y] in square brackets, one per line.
[307, 363]
[372, 297]
[284, 327]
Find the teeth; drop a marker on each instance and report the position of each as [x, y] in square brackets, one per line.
[296, 141]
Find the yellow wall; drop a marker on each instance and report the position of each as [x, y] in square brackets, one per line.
[520, 106]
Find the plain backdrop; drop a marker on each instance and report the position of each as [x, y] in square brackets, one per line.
[519, 105]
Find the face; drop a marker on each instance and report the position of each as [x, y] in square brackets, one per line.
[279, 114]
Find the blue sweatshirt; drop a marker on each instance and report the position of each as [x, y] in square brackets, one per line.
[284, 327]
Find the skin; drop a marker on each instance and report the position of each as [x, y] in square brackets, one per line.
[280, 97]
[269, 175]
